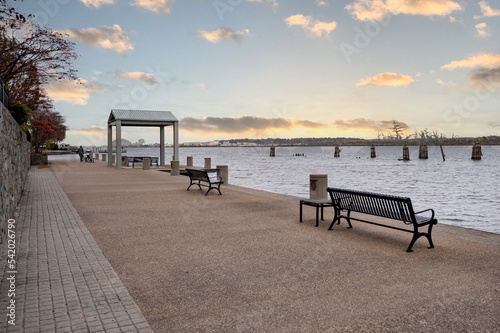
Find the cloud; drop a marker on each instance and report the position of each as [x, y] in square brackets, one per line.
[449, 83]
[487, 11]
[307, 23]
[68, 91]
[486, 69]
[230, 125]
[362, 123]
[156, 6]
[73, 91]
[481, 30]
[223, 33]
[376, 10]
[269, 3]
[97, 3]
[92, 130]
[321, 3]
[486, 60]
[200, 86]
[485, 77]
[386, 79]
[113, 38]
[138, 76]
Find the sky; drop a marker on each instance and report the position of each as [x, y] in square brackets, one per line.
[275, 68]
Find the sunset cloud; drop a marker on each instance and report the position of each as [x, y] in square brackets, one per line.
[486, 69]
[482, 31]
[68, 91]
[269, 3]
[113, 38]
[362, 123]
[97, 3]
[486, 60]
[487, 11]
[386, 79]
[232, 125]
[317, 28]
[73, 91]
[216, 36]
[376, 10]
[138, 76]
[92, 130]
[156, 6]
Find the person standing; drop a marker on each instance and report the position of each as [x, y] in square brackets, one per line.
[80, 152]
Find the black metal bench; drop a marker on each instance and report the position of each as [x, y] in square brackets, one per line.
[133, 160]
[197, 176]
[387, 206]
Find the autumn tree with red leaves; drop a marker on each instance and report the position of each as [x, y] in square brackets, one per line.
[30, 57]
[47, 127]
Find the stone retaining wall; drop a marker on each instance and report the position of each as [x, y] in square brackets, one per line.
[15, 153]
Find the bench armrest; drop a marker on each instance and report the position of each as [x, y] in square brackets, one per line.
[427, 210]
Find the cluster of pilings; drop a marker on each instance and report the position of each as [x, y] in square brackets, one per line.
[423, 152]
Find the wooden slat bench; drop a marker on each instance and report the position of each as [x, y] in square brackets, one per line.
[201, 178]
[387, 206]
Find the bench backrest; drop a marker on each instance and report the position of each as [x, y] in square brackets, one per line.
[196, 174]
[389, 206]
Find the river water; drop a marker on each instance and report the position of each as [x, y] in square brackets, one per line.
[463, 192]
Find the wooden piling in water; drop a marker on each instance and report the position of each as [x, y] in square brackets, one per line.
[476, 151]
[406, 153]
[337, 151]
[373, 154]
[272, 152]
[423, 152]
[442, 153]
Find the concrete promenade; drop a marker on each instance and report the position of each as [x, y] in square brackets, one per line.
[116, 241]
[63, 282]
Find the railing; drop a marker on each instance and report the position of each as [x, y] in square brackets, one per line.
[4, 95]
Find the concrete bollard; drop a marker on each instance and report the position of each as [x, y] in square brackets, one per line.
[208, 163]
[189, 161]
[104, 157]
[174, 168]
[96, 156]
[318, 184]
[146, 163]
[223, 173]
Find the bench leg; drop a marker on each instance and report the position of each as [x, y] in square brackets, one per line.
[317, 214]
[300, 212]
[417, 235]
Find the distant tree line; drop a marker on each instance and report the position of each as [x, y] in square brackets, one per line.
[342, 141]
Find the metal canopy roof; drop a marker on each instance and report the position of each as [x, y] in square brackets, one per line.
[141, 118]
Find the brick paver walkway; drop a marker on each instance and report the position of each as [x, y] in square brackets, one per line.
[63, 282]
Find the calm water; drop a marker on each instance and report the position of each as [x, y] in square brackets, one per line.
[462, 192]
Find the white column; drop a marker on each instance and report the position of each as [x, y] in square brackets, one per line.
[118, 144]
[176, 141]
[110, 145]
[162, 145]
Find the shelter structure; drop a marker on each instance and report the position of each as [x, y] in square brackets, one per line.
[141, 118]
